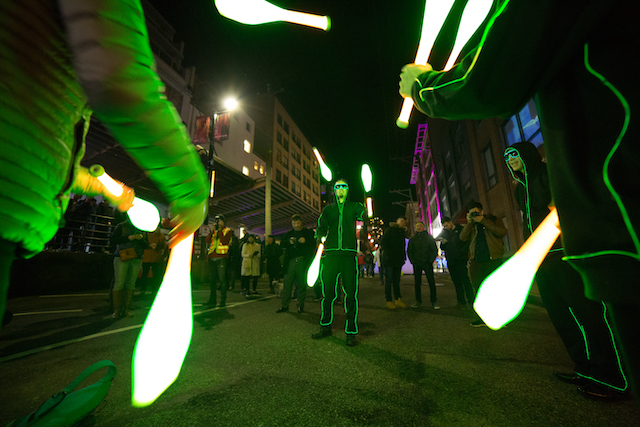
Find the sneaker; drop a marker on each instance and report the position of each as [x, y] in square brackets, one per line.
[391, 305]
[436, 307]
[478, 324]
[351, 340]
[324, 331]
[300, 310]
[400, 304]
[416, 305]
[282, 310]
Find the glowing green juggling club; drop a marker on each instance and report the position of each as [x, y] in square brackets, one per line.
[367, 177]
[503, 294]
[166, 334]
[324, 169]
[435, 13]
[144, 215]
[314, 268]
[369, 207]
[254, 12]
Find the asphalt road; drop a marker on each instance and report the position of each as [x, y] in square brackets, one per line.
[248, 366]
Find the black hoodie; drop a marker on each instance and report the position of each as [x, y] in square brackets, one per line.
[338, 224]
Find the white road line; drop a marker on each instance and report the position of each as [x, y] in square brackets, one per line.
[115, 331]
[30, 313]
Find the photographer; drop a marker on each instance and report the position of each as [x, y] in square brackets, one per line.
[218, 259]
[484, 233]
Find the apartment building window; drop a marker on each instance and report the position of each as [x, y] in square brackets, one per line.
[523, 126]
[247, 146]
[315, 204]
[261, 170]
[490, 166]
[285, 180]
[286, 128]
[315, 190]
[255, 166]
[279, 119]
[278, 176]
[285, 144]
[285, 162]
[245, 170]
[248, 126]
[279, 137]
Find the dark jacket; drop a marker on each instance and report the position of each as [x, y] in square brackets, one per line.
[494, 231]
[532, 191]
[393, 246]
[454, 248]
[422, 249]
[338, 224]
[293, 249]
[120, 239]
[272, 254]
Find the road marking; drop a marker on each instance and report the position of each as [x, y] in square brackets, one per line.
[30, 313]
[115, 331]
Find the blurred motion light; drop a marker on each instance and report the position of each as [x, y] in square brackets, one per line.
[324, 169]
[254, 12]
[367, 178]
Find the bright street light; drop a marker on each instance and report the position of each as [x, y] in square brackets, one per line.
[230, 103]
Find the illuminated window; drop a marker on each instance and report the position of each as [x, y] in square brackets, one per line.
[261, 170]
[245, 170]
[255, 166]
[247, 146]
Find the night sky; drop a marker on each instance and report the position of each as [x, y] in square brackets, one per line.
[341, 86]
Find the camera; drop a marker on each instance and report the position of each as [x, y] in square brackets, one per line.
[473, 214]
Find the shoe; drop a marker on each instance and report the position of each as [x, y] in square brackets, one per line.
[248, 295]
[570, 378]
[222, 305]
[400, 304]
[255, 293]
[391, 305]
[601, 392]
[478, 323]
[300, 310]
[436, 307]
[282, 310]
[351, 340]
[324, 331]
[416, 305]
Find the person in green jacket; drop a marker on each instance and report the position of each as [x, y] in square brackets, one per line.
[61, 61]
[337, 224]
[575, 58]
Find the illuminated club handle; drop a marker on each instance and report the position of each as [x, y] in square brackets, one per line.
[144, 215]
[254, 12]
[165, 337]
[502, 295]
[314, 269]
[435, 13]
[473, 15]
[324, 169]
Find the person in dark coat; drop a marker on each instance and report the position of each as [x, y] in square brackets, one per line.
[457, 253]
[580, 322]
[393, 258]
[299, 247]
[422, 251]
[272, 253]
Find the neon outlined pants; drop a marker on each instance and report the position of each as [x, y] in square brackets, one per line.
[333, 267]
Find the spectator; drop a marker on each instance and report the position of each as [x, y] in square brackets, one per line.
[235, 261]
[368, 262]
[484, 233]
[422, 252]
[219, 240]
[152, 260]
[457, 254]
[394, 256]
[272, 252]
[130, 244]
[299, 246]
[361, 264]
[378, 260]
[250, 265]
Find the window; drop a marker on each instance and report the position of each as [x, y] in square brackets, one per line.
[248, 127]
[247, 146]
[255, 166]
[279, 137]
[285, 144]
[261, 170]
[286, 128]
[524, 126]
[285, 180]
[285, 162]
[278, 176]
[279, 119]
[245, 170]
[278, 156]
[490, 166]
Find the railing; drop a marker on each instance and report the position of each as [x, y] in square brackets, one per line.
[91, 235]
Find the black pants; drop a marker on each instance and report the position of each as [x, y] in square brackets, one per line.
[417, 282]
[392, 278]
[218, 272]
[158, 271]
[580, 322]
[245, 282]
[333, 267]
[460, 279]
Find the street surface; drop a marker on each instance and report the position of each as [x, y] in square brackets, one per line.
[248, 366]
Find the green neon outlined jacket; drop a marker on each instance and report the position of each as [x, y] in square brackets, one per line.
[338, 225]
[54, 57]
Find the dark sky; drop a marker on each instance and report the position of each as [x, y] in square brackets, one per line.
[341, 86]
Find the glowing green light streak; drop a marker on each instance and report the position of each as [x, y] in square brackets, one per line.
[367, 177]
[473, 15]
[314, 268]
[503, 294]
[166, 334]
[324, 169]
[254, 12]
[435, 13]
[144, 215]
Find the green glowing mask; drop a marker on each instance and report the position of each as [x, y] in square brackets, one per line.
[254, 12]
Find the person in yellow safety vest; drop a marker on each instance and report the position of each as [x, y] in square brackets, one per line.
[218, 259]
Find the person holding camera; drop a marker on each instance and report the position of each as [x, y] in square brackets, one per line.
[251, 254]
[299, 246]
[484, 233]
[218, 259]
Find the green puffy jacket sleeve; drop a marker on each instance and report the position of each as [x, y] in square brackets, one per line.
[115, 65]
